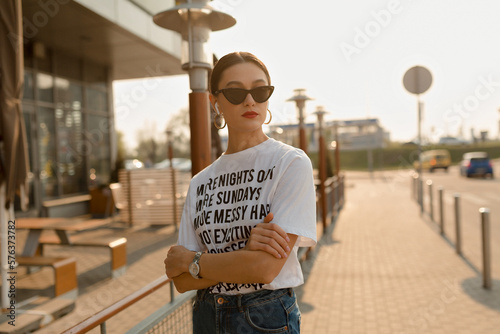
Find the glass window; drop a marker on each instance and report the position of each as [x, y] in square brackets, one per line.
[71, 151]
[28, 114]
[47, 152]
[29, 86]
[99, 156]
[45, 87]
[69, 94]
[97, 100]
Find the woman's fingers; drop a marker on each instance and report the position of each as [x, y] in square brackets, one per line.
[269, 217]
[270, 238]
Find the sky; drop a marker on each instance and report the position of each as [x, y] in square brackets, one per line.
[351, 57]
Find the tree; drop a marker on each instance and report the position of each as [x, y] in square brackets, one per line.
[149, 150]
[121, 155]
[179, 125]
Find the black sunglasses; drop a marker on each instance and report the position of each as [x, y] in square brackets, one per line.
[238, 95]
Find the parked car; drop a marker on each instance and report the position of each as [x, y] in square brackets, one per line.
[434, 159]
[476, 164]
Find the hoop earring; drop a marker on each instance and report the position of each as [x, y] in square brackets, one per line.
[269, 118]
[217, 115]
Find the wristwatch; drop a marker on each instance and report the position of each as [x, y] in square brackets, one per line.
[194, 267]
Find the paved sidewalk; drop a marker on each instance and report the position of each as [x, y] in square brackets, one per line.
[385, 269]
[382, 269]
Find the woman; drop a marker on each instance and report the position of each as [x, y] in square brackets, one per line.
[244, 267]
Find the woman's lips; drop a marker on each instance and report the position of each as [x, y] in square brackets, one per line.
[250, 114]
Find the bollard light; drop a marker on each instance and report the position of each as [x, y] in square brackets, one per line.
[300, 99]
[194, 20]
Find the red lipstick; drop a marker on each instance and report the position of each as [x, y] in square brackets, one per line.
[250, 114]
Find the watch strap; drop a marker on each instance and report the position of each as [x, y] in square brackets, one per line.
[196, 261]
[197, 257]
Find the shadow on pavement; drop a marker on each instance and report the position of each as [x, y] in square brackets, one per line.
[473, 287]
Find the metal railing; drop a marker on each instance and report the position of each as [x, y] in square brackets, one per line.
[417, 194]
[146, 326]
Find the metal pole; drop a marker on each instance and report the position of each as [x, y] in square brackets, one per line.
[458, 242]
[322, 176]
[431, 201]
[172, 171]
[334, 197]
[172, 292]
[421, 194]
[322, 166]
[337, 151]
[485, 229]
[441, 210]
[199, 116]
[302, 132]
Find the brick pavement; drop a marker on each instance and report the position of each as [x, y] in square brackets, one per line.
[381, 269]
[146, 249]
[385, 269]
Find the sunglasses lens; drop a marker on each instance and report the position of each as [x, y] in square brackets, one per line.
[235, 95]
[238, 95]
[261, 94]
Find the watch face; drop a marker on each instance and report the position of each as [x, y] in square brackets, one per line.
[194, 269]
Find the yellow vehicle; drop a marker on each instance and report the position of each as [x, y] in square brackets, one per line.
[434, 159]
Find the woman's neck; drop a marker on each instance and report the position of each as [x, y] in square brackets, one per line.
[241, 141]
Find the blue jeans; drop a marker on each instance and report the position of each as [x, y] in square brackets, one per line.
[264, 311]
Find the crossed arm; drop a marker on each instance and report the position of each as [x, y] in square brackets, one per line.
[259, 262]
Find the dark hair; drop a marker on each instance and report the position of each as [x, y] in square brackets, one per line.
[232, 59]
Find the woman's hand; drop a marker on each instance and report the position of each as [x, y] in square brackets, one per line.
[270, 238]
[177, 261]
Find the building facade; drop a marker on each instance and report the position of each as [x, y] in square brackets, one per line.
[73, 50]
[359, 134]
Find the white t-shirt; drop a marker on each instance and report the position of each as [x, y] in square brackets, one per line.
[232, 195]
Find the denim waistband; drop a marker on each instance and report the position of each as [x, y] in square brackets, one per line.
[242, 300]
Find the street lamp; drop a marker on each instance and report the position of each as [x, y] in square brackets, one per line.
[194, 20]
[320, 112]
[300, 99]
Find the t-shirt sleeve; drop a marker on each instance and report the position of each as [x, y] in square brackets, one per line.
[294, 201]
[187, 235]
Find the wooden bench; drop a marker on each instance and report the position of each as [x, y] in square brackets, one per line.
[117, 247]
[65, 277]
[51, 206]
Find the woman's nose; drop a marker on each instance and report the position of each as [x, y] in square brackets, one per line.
[249, 100]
